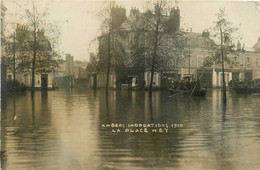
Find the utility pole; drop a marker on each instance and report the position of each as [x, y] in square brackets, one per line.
[188, 46]
[189, 55]
[14, 48]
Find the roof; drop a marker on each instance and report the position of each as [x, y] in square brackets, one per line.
[82, 64]
[135, 20]
[256, 47]
[198, 41]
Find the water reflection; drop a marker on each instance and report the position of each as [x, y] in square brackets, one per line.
[63, 130]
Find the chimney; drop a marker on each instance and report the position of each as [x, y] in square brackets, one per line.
[238, 46]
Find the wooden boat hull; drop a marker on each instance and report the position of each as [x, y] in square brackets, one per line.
[175, 91]
[245, 90]
[200, 93]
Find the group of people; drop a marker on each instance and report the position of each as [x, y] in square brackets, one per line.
[247, 83]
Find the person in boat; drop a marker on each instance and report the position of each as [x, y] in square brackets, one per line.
[188, 84]
[193, 84]
[230, 83]
[182, 85]
[198, 87]
[256, 83]
[173, 84]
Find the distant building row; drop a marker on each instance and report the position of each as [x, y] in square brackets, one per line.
[246, 62]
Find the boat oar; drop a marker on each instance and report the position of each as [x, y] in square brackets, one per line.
[197, 83]
[193, 89]
[180, 93]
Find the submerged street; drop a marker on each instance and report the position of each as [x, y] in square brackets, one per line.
[62, 129]
[130, 85]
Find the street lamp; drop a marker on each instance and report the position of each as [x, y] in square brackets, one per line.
[188, 44]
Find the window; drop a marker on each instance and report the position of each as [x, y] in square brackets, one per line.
[9, 77]
[258, 62]
[199, 60]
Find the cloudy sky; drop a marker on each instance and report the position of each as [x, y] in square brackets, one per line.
[80, 24]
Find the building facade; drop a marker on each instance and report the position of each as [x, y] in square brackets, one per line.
[19, 56]
[123, 68]
[245, 63]
[3, 68]
[245, 66]
[64, 76]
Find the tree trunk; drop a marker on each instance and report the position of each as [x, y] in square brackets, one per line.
[34, 49]
[34, 59]
[223, 69]
[108, 62]
[151, 81]
[3, 74]
[224, 82]
[109, 50]
[154, 55]
[14, 50]
[33, 69]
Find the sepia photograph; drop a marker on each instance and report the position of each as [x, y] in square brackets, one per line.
[130, 85]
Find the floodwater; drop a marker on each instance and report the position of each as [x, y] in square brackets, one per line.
[63, 130]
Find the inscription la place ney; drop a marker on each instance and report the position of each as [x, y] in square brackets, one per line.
[141, 128]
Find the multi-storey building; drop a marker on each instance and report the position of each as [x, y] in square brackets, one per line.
[64, 76]
[79, 69]
[244, 65]
[23, 56]
[123, 35]
[3, 69]
[198, 47]
[256, 47]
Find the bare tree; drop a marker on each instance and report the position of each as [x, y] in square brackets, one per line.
[37, 41]
[224, 33]
[111, 45]
[164, 42]
[149, 42]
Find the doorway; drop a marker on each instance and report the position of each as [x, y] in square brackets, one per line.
[44, 80]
